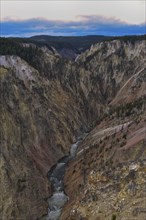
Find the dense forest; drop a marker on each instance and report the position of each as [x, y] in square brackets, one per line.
[13, 45]
[16, 46]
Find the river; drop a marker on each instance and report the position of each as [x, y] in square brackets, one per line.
[56, 174]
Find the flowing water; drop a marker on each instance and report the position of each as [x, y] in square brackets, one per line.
[56, 175]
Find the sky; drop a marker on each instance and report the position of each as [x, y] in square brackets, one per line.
[24, 18]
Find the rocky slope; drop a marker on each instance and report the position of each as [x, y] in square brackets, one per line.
[39, 122]
[113, 63]
[107, 177]
[48, 102]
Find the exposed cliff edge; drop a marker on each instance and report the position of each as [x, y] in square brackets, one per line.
[47, 102]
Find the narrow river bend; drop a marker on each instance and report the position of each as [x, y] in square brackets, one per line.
[56, 175]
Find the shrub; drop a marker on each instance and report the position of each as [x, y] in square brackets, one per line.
[114, 217]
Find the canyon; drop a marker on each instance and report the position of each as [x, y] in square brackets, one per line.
[48, 103]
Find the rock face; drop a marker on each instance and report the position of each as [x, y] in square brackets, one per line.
[33, 136]
[118, 193]
[110, 163]
[114, 63]
[45, 107]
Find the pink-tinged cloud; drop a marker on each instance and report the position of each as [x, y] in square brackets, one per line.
[85, 25]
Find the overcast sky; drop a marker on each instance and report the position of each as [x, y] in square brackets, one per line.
[76, 17]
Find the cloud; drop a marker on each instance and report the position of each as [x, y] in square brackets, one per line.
[85, 25]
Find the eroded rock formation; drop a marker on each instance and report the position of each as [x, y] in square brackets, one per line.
[45, 107]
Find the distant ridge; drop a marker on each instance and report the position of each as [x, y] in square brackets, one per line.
[68, 47]
[80, 43]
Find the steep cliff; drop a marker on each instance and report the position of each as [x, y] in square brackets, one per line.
[114, 63]
[107, 178]
[47, 102]
[39, 122]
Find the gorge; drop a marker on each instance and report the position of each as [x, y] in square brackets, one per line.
[47, 102]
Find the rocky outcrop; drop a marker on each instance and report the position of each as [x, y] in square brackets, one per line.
[107, 178]
[46, 104]
[39, 120]
[118, 193]
[113, 63]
